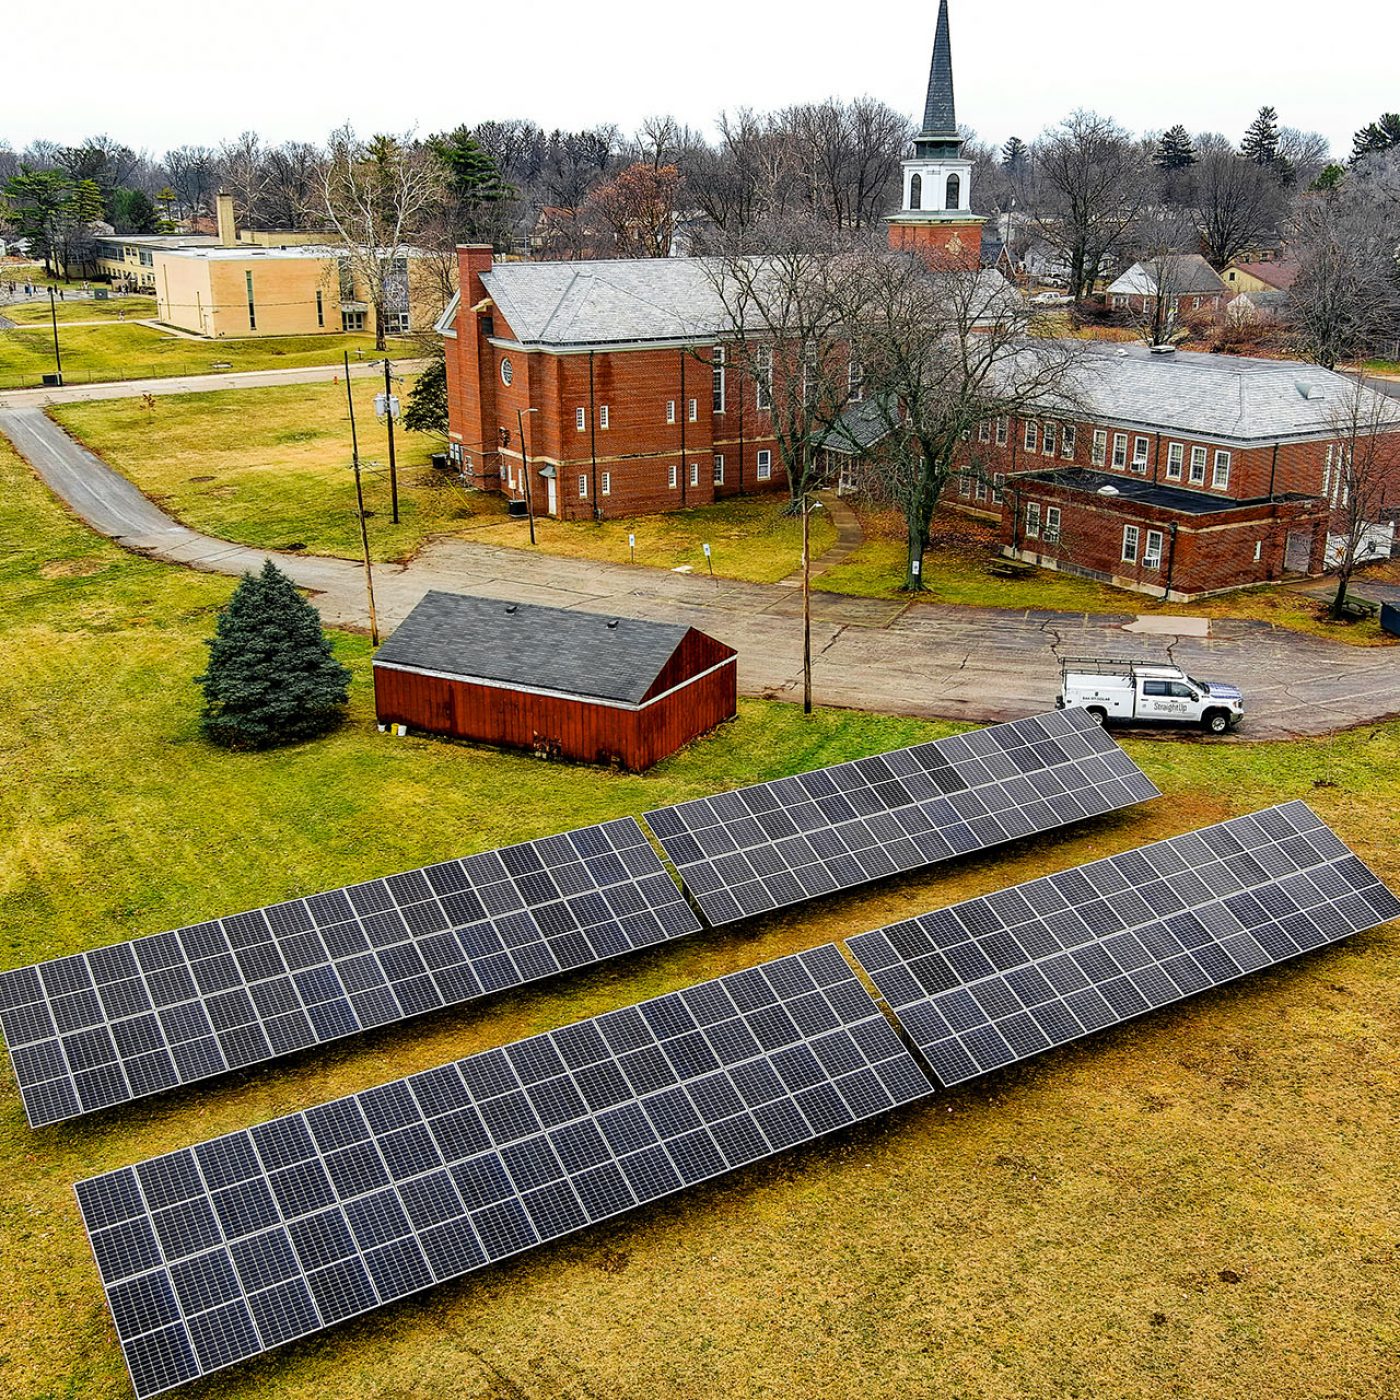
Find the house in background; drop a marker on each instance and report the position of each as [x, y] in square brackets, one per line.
[554, 681]
[1187, 280]
[1276, 275]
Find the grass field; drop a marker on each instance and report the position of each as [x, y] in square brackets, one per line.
[130, 351]
[956, 571]
[269, 467]
[115, 308]
[1202, 1204]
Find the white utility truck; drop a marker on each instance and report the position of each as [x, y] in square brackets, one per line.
[1114, 689]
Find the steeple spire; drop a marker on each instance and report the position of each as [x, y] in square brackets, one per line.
[939, 116]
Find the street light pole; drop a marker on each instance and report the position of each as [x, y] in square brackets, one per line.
[389, 414]
[807, 603]
[57, 358]
[525, 468]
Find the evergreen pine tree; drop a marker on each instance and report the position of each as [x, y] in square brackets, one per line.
[1174, 150]
[1377, 136]
[426, 409]
[271, 677]
[1260, 142]
[1013, 155]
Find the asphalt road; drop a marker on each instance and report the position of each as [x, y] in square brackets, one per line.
[976, 664]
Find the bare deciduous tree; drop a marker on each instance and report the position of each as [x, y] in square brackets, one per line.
[1362, 480]
[377, 194]
[1095, 181]
[1235, 201]
[941, 350]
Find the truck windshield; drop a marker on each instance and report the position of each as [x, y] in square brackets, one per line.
[1200, 685]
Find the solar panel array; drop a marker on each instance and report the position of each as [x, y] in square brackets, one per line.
[130, 1019]
[998, 979]
[758, 848]
[212, 1254]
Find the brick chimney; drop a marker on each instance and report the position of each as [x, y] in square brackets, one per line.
[228, 230]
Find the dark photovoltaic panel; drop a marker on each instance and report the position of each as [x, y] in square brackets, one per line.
[134, 1018]
[215, 1253]
[999, 979]
[763, 847]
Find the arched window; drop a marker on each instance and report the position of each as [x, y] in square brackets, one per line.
[954, 192]
[916, 192]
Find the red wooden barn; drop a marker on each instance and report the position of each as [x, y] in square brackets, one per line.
[576, 685]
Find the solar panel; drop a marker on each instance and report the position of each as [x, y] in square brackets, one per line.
[759, 848]
[131, 1019]
[998, 979]
[212, 1254]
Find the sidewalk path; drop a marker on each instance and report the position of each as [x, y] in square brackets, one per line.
[976, 664]
[196, 383]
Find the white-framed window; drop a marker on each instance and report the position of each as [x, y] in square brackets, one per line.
[507, 372]
[719, 469]
[1030, 439]
[717, 378]
[1142, 447]
[1220, 474]
[695, 473]
[581, 419]
[602, 415]
[1052, 525]
[1049, 437]
[984, 431]
[855, 381]
[1131, 535]
[1198, 466]
[1195, 303]
[694, 411]
[998, 482]
[981, 488]
[964, 486]
[763, 377]
[765, 465]
[1176, 455]
[1120, 451]
[1003, 429]
[673, 476]
[1258, 550]
[583, 488]
[670, 410]
[1032, 520]
[605, 485]
[1152, 550]
[1067, 442]
[1100, 448]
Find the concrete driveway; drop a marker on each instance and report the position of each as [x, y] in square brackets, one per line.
[978, 664]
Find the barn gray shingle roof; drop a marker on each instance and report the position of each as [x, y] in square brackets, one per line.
[585, 654]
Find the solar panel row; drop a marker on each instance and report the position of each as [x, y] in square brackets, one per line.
[759, 848]
[212, 1254]
[101, 1028]
[998, 979]
[130, 1019]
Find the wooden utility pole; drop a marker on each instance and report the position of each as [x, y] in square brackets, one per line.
[806, 609]
[57, 358]
[525, 469]
[389, 414]
[360, 506]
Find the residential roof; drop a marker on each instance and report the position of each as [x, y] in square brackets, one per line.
[1222, 397]
[1183, 273]
[1139, 491]
[1279, 274]
[620, 300]
[519, 644]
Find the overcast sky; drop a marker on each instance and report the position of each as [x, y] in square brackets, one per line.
[165, 73]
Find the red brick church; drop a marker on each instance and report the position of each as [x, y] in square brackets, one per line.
[606, 379]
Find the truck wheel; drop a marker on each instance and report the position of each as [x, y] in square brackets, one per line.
[1100, 717]
[1215, 721]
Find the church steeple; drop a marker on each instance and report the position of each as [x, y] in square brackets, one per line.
[937, 216]
[940, 116]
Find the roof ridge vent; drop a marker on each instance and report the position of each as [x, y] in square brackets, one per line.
[1311, 391]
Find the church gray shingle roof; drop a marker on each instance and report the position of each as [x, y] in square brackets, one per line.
[585, 654]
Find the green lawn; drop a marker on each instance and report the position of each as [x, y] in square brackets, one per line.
[269, 467]
[115, 308]
[139, 352]
[1202, 1204]
[956, 570]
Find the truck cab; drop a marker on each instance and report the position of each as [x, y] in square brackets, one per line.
[1128, 691]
